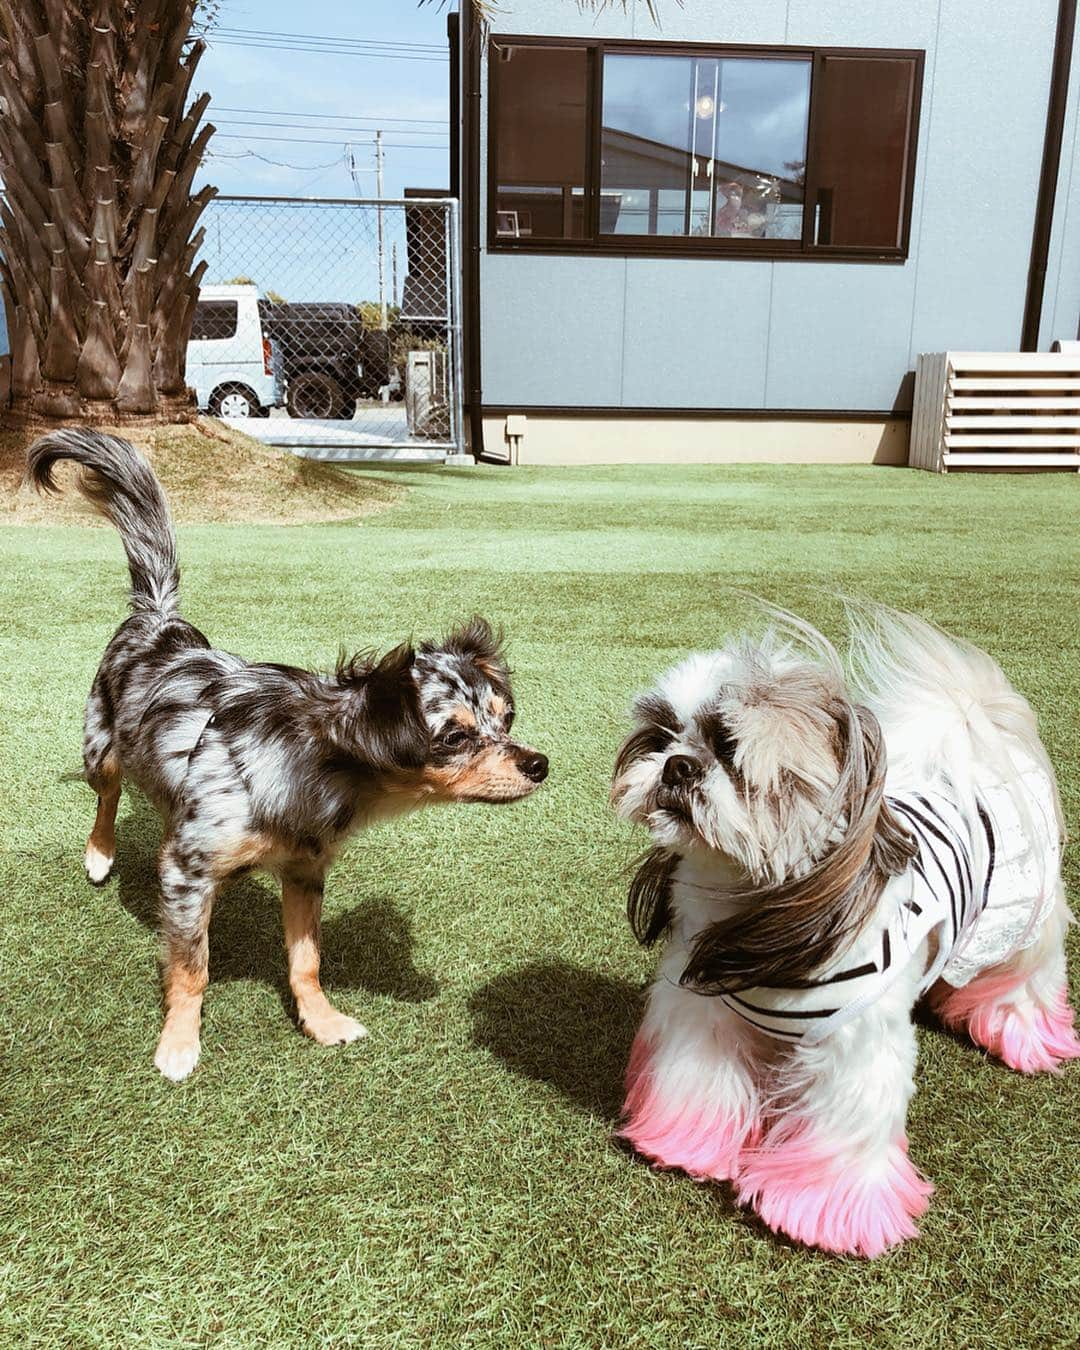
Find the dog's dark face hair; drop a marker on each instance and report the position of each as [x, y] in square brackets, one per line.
[468, 711]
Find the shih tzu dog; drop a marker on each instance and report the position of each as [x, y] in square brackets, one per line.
[822, 859]
[265, 766]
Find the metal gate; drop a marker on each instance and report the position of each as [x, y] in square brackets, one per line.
[332, 326]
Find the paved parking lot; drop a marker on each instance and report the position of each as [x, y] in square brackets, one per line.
[376, 432]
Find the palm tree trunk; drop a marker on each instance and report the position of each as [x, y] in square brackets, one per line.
[98, 224]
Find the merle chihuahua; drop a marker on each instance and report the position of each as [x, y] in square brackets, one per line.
[265, 766]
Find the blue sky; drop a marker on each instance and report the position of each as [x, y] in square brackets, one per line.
[341, 90]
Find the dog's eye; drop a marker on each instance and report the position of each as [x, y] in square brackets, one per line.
[455, 736]
[656, 739]
[508, 721]
[724, 743]
[717, 734]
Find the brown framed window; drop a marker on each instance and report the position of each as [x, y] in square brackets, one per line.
[623, 147]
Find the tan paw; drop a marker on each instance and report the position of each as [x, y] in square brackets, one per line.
[329, 1027]
[98, 865]
[175, 1057]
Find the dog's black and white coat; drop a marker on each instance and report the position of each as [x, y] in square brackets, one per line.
[268, 766]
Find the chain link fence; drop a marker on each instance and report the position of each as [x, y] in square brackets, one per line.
[332, 326]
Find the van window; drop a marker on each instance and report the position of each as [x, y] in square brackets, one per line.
[214, 320]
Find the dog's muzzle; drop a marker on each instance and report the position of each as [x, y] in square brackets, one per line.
[677, 777]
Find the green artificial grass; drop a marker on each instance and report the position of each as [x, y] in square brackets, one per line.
[452, 1180]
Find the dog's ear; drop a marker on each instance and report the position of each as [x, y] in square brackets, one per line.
[648, 905]
[387, 729]
[478, 642]
[863, 763]
[786, 932]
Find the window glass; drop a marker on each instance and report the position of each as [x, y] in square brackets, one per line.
[540, 147]
[705, 146]
[865, 109]
[214, 320]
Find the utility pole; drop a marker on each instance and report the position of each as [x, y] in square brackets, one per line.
[382, 249]
[393, 274]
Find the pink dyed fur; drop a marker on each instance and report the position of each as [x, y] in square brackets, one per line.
[799, 1187]
[1024, 1034]
[676, 1134]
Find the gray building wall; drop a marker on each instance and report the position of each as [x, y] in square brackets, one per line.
[728, 333]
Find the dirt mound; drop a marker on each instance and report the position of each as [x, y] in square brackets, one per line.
[210, 474]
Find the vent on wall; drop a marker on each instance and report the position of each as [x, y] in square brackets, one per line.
[989, 410]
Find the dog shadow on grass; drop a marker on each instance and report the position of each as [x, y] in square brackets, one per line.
[558, 1023]
[370, 947]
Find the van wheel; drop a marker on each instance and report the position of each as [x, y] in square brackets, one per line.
[316, 395]
[235, 400]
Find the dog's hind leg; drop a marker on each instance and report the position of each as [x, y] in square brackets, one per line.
[833, 1169]
[188, 885]
[101, 768]
[1019, 1010]
[301, 908]
[691, 1102]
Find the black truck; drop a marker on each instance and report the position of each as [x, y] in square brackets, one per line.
[329, 360]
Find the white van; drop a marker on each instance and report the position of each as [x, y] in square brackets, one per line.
[232, 365]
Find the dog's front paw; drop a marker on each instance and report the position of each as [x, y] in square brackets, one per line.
[702, 1138]
[329, 1027]
[176, 1058]
[98, 865]
[861, 1208]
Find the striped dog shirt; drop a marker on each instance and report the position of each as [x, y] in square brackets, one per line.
[980, 878]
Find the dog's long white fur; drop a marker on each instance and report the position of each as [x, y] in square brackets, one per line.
[814, 1135]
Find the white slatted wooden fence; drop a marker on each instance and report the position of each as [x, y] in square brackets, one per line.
[991, 410]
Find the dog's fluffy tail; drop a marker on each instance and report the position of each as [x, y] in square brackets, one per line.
[946, 707]
[119, 483]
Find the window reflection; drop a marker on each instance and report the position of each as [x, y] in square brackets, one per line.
[707, 146]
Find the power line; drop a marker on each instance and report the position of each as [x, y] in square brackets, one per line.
[277, 163]
[381, 118]
[326, 51]
[332, 37]
[297, 140]
[296, 126]
[255, 40]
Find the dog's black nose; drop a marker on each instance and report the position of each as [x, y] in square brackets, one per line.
[534, 766]
[679, 770]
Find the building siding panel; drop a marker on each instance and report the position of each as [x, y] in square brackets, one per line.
[839, 337]
[553, 330]
[696, 333]
[983, 154]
